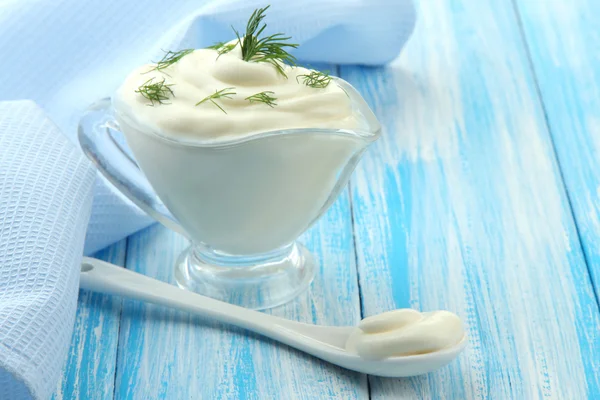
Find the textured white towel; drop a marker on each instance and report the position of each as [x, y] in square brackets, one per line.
[66, 54]
[45, 200]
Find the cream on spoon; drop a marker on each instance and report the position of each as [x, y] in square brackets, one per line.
[405, 332]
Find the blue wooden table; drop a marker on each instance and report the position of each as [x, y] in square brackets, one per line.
[482, 197]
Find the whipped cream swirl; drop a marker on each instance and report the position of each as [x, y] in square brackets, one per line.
[203, 71]
[405, 332]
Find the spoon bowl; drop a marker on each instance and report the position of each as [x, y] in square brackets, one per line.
[325, 342]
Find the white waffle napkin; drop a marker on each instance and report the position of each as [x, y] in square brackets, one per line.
[45, 200]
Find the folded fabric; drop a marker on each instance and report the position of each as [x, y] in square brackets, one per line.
[45, 201]
[66, 54]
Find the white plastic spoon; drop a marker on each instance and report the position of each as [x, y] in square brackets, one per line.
[325, 342]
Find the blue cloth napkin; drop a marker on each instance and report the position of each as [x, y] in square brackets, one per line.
[66, 54]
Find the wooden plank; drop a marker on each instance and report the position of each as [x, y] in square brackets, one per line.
[165, 354]
[461, 206]
[89, 372]
[563, 41]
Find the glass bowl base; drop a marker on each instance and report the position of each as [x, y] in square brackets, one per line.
[256, 282]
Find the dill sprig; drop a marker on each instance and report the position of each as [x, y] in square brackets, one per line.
[315, 79]
[170, 58]
[263, 97]
[226, 48]
[156, 91]
[216, 46]
[222, 47]
[226, 93]
[271, 49]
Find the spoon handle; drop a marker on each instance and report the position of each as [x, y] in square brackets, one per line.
[321, 341]
[101, 276]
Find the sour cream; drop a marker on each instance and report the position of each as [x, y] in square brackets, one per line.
[203, 72]
[405, 332]
[250, 178]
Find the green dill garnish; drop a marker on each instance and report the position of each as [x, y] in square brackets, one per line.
[222, 47]
[216, 46]
[315, 79]
[155, 91]
[226, 48]
[270, 49]
[227, 93]
[170, 58]
[263, 97]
